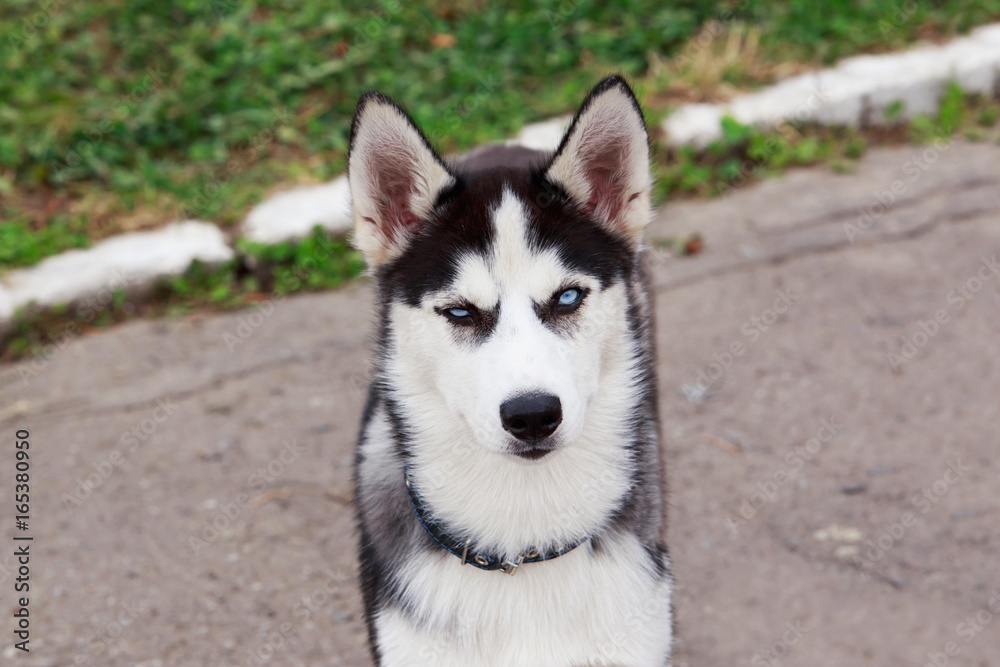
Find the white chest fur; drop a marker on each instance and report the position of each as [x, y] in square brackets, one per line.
[581, 609]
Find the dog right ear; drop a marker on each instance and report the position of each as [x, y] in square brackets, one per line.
[395, 178]
[603, 161]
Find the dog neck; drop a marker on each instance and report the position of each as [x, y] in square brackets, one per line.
[464, 548]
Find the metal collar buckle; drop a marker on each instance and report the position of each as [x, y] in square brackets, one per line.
[510, 567]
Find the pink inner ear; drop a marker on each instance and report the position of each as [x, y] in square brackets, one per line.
[396, 185]
[410, 221]
[605, 174]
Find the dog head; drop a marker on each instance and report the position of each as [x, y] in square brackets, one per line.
[507, 291]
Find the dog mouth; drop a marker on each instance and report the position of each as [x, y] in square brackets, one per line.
[533, 451]
[532, 454]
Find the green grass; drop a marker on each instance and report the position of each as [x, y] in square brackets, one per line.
[23, 245]
[121, 115]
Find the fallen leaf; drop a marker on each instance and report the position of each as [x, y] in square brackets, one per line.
[722, 443]
[443, 40]
[693, 245]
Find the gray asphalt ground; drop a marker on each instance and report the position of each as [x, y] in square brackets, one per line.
[831, 504]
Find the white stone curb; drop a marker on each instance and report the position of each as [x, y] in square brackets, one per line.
[544, 136]
[129, 261]
[294, 213]
[855, 92]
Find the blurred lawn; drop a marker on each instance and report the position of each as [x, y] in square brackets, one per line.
[123, 114]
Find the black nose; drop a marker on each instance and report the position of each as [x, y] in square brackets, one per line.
[531, 417]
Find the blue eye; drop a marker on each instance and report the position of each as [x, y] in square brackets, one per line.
[460, 316]
[569, 298]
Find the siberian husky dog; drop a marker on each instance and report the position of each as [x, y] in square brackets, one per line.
[508, 475]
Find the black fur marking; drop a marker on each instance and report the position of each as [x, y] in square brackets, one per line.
[400, 432]
[656, 553]
[368, 575]
[494, 156]
[582, 243]
[370, 587]
[462, 225]
[636, 509]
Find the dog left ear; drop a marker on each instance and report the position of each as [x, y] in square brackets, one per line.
[603, 160]
[395, 178]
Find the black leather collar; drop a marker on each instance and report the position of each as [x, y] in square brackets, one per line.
[460, 548]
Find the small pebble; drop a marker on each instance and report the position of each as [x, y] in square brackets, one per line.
[695, 393]
[846, 551]
[854, 489]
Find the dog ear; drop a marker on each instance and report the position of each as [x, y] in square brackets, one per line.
[603, 160]
[395, 178]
